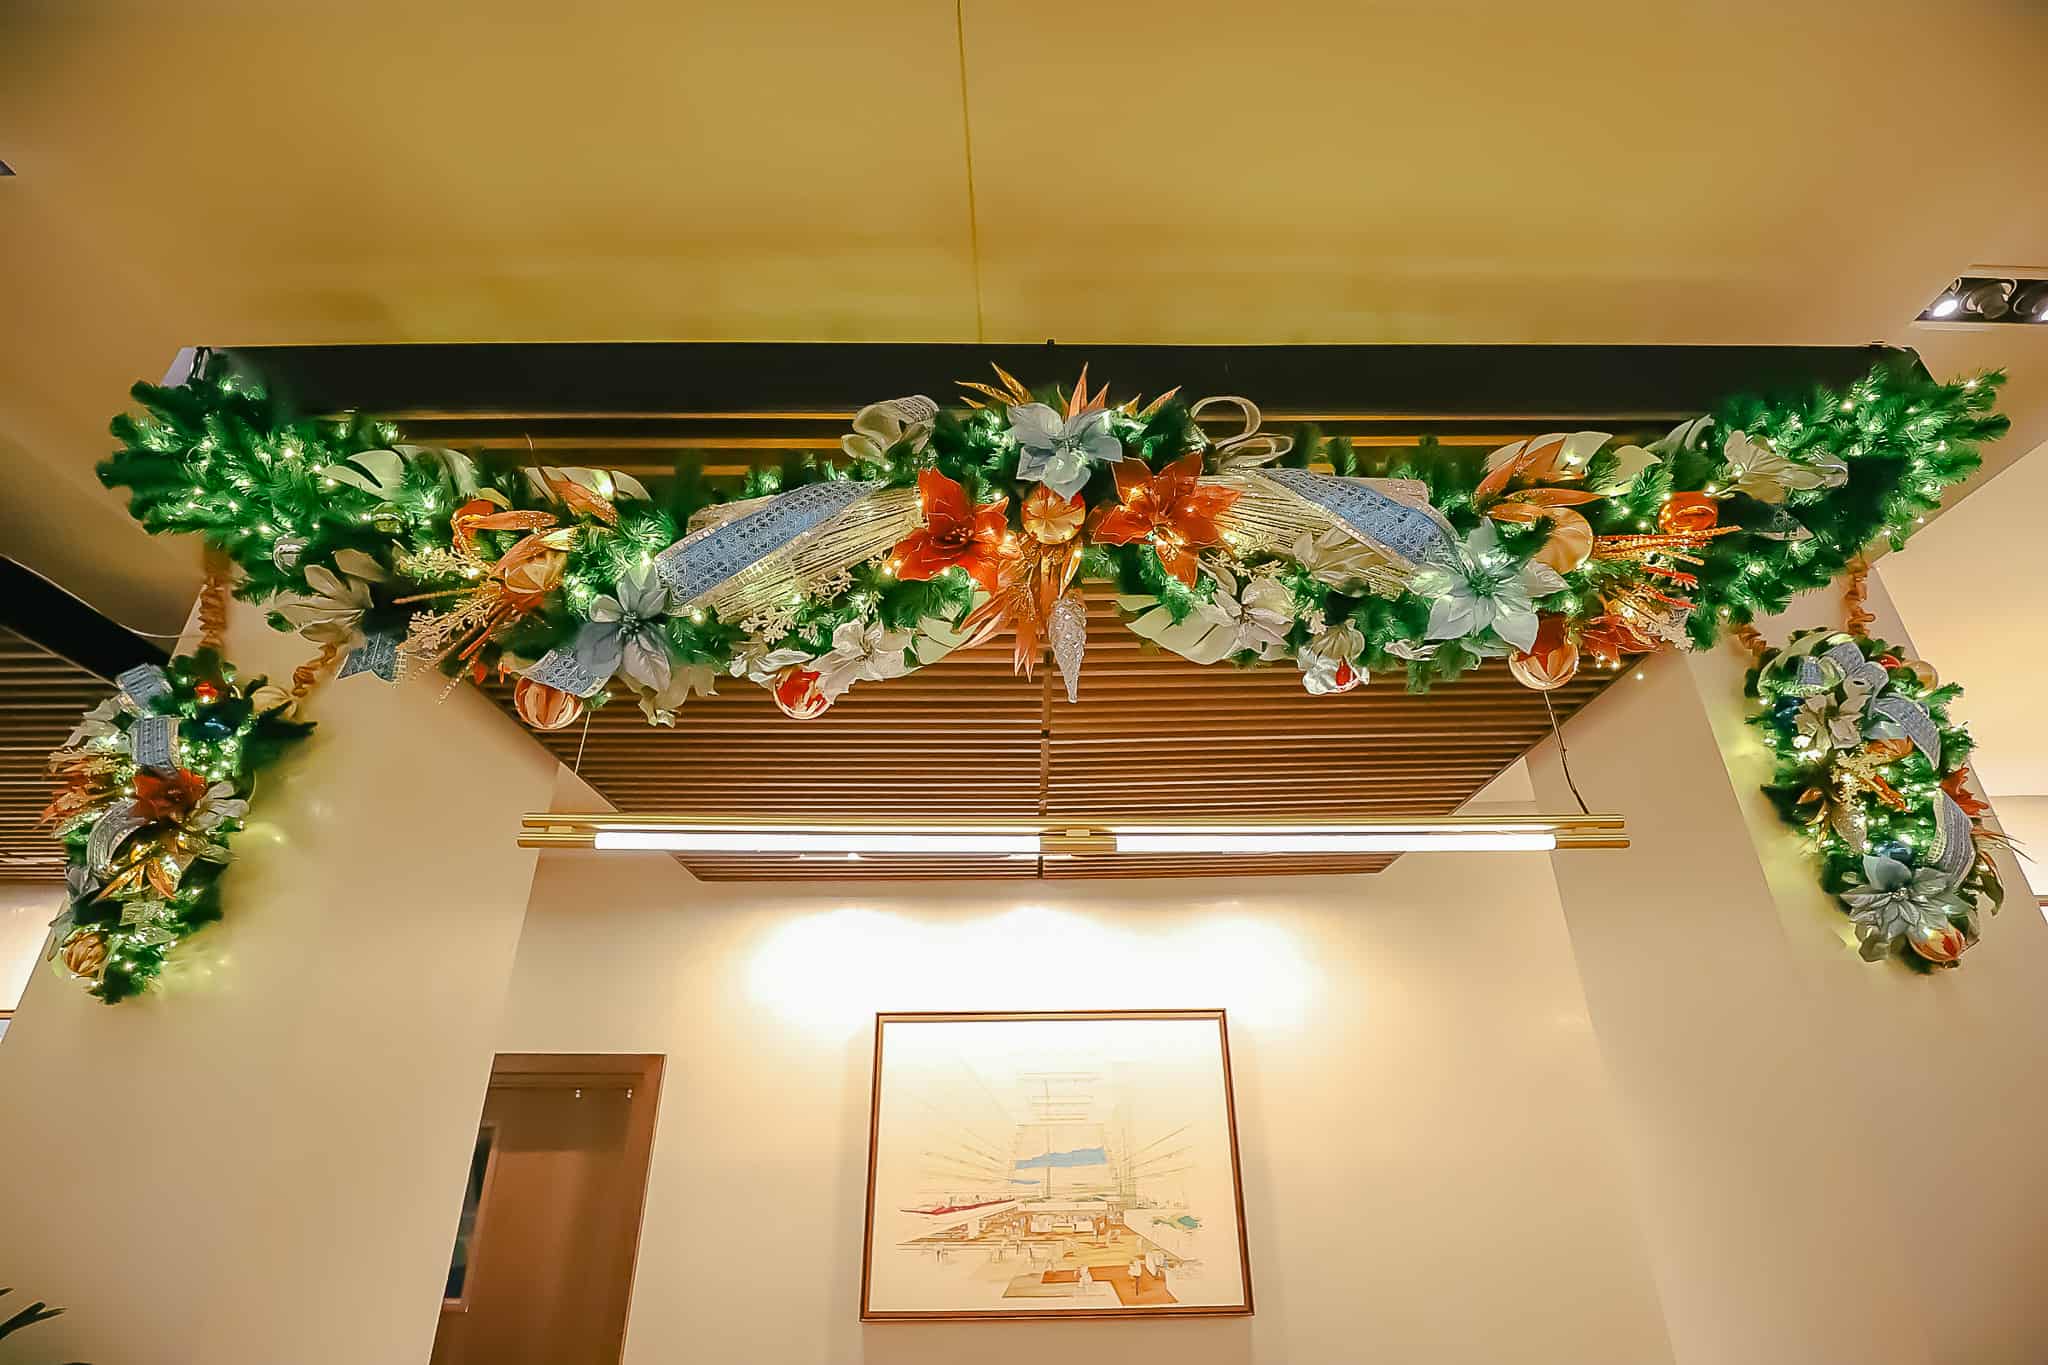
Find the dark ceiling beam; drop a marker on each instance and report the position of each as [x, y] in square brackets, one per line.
[768, 377]
[39, 611]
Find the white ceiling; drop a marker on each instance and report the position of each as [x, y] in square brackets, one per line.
[1210, 172]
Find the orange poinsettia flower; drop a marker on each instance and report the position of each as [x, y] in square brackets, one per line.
[955, 531]
[1962, 795]
[1172, 509]
[1608, 637]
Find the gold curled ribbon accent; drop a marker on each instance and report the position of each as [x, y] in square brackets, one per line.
[213, 605]
[1249, 447]
[307, 675]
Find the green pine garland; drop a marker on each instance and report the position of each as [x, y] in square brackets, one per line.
[1872, 795]
[286, 497]
[131, 899]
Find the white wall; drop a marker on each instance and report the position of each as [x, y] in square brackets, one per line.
[264, 1163]
[1430, 1165]
[26, 909]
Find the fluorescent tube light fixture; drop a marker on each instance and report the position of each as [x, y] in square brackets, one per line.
[1063, 838]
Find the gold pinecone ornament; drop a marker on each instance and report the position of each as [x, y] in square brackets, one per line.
[84, 954]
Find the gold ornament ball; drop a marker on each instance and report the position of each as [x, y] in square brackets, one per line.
[85, 954]
[387, 518]
[1923, 673]
[544, 707]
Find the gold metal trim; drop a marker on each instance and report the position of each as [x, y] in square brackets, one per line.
[1069, 836]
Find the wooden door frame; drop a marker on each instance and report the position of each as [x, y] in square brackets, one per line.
[641, 1073]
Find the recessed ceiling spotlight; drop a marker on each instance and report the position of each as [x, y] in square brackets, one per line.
[1990, 298]
[2030, 302]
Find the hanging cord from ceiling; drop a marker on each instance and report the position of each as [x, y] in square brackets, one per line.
[1564, 758]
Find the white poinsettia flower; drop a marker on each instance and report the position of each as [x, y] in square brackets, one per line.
[1481, 587]
[98, 726]
[861, 653]
[758, 661]
[1255, 615]
[1751, 466]
[684, 679]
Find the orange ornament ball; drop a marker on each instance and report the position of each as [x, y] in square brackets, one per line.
[1688, 512]
[798, 694]
[1551, 662]
[1052, 519]
[544, 707]
[1941, 944]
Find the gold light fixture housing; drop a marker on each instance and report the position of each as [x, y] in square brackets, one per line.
[1055, 837]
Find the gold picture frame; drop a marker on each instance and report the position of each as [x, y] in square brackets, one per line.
[1038, 1165]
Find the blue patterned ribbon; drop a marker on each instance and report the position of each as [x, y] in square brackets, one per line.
[142, 685]
[1385, 523]
[561, 670]
[701, 562]
[377, 654]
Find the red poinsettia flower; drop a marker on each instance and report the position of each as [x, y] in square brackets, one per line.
[1172, 509]
[955, 531]
[168, 796]
[1962, 795]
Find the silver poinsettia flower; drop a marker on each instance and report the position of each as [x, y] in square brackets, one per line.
[626, 635]
[1919, 906]
[1482, 586]
[1832, 720]
[1061, 452]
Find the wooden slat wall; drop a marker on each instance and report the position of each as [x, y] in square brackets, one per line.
[1151, 734]
[41, 699]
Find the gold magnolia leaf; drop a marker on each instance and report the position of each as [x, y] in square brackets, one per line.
[1018, 393]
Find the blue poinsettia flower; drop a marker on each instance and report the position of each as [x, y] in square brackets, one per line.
[1061, 452]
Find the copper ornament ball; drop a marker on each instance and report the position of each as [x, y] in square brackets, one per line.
[544, 707]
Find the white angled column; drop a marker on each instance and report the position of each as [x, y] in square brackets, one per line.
[1834, 1160]
[265, 1161]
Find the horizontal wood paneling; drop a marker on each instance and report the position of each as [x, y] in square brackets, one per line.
[41, 699]
[1151, 735]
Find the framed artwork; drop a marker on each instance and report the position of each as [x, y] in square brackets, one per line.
[1053, 1165]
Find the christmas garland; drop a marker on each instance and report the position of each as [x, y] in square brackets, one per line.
[1870, 766]
[152, 786]
[931, 529]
